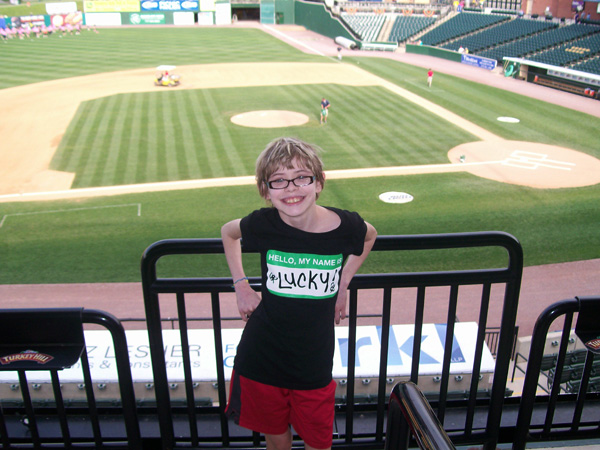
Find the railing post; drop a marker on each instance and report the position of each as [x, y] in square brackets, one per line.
[534, 363]
[155, 341]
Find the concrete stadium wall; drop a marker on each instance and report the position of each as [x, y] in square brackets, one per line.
[315, 17]
[284, 11]
[434, 51]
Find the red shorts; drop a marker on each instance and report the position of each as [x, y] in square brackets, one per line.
[271, 410]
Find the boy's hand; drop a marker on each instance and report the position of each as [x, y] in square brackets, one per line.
[340, 305]
[247, 300]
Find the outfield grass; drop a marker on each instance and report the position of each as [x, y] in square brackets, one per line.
[102, 239]
[41, 59]
[539, 121]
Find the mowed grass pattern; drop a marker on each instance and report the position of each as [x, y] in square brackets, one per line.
[34, 60]
[482, 105]
[177, 134]
[188, 134]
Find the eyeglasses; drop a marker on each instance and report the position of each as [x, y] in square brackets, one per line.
[300, 181]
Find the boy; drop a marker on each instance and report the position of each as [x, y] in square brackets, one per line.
[282, 370]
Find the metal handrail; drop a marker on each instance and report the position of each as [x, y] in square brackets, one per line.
[509, 277]
[409, 407]
[52, 422]
[565, 309]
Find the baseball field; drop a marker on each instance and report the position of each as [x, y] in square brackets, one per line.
[97, 163]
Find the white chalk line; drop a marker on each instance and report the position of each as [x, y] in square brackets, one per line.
[530, 165]
[55, 211]
[233, 181]
[518, 159]
[286, 37]
[531, 160]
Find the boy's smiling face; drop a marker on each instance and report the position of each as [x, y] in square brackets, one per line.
[294, 202]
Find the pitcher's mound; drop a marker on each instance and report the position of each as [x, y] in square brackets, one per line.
[270, 119]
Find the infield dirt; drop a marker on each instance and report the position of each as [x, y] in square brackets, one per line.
[49, 107]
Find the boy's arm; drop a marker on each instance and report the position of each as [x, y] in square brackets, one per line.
[352, 265]
[247, 298]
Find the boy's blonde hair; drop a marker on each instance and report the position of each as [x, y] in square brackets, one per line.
[282, 152]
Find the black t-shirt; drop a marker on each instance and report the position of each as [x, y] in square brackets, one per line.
[289, 339]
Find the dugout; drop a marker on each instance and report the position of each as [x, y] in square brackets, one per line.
[561, 78]
[245, 11]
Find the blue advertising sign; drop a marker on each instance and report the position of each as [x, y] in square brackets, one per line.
[478, 61]
[170, 5]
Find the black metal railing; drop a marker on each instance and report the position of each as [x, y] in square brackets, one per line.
[565, 416]
[36, 414]
[478, 419]
[409, 409]
[492, 334]
[38, 344]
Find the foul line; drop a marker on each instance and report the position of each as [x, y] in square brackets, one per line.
[235, 181]
[286, 37]
[519, 159]
[139, 211]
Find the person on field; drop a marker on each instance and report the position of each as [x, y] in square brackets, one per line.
[324, 109]
[429, 77]
[282, 373]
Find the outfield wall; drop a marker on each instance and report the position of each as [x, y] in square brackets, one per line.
[315, 17]
[220, 16]
[451, 55]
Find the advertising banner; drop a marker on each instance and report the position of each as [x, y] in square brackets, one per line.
[61, 8]
[101, 354]
[147, 18]
[71, 19]
[207, 5]
[170, 5]
[512, 69]
[205, 18]
[223, 13]
[103, 19]
[111, 6]
[478, 61]
[183, 18]
[31, 20]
